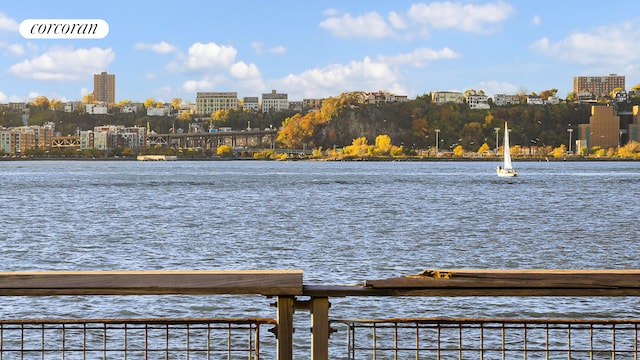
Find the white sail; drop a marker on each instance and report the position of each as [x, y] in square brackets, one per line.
[506, 170]
[507, 151]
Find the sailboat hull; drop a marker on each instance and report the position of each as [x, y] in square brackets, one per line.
[506, 172]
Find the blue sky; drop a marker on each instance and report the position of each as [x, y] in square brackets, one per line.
[166, 50]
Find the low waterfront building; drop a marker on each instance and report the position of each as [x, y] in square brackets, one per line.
[603, 129]
[17, 140]
[634, 127]
[109, 137]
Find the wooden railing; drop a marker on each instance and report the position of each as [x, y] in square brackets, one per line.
[288, 287]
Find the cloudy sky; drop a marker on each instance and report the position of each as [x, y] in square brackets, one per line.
[164, 50]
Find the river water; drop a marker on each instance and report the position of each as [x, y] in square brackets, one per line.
[339, 222]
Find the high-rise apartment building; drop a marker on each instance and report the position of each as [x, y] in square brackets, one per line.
[208, 103]
[104, 87]
[597, 85]
[275, 102]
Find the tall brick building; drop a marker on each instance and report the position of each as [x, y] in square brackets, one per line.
[597, 86]
[104, 87]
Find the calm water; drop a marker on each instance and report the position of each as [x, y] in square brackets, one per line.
[339, 222]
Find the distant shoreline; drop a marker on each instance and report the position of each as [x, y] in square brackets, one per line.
[366, 159]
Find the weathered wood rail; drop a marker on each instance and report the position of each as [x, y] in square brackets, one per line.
[287, 286]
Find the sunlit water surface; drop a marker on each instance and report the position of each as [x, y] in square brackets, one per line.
[339, 222]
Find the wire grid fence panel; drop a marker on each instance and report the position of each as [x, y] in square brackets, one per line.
[491, 339]
[136, 339]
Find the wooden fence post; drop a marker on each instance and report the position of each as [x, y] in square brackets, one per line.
[285, 327]
[320, 328]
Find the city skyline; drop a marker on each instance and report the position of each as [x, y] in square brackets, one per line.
[316, 50]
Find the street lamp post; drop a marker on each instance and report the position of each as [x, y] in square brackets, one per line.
[570, 131]
[497, 131]
[437, 132]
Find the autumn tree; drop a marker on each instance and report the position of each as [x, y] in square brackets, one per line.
[546, 94]
[458, 151]
[41, 102]
[483, 148]
[224, 150]
[630, 150]
[88, 99]
[149, 103]
[359, 147]
[55, 105]
[560, 151]
[176, 103]
[383, 145]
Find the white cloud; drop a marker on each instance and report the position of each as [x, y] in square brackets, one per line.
[337, 78]
[3, 98]
[608, 45]
[8, 24]
[161, 47]
[248, 76]
[193, 86]
[16, 49]
[419, 57]
[397, 21]
[536, 20]
[467, 17]
[278, 50]
[370, 25]
[493, 87]
[257, 47]
[65, 64]
[419, 19]
[209, 56]
[241, 70]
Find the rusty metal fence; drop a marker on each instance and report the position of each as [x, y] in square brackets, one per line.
[491, 339]
[135, 339]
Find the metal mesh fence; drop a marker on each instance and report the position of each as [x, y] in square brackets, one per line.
[491, 339]
[134, 339]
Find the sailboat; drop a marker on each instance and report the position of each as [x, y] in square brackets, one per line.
[506, 170]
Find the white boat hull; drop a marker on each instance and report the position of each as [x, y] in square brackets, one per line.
[506, 172]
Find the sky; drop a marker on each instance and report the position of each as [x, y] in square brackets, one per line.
[167, 50]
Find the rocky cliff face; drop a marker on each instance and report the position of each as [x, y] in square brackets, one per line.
[353, 123]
